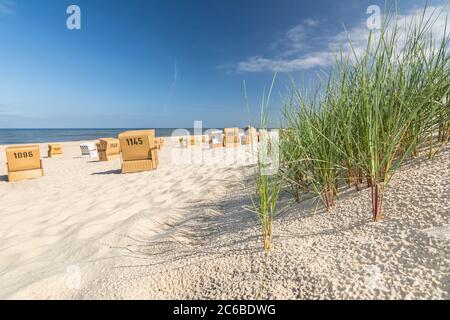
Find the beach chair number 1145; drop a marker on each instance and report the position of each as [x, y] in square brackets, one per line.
[135, 141]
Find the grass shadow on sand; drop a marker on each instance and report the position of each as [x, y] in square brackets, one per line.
[217, 232]
[116, 171]
[214, 223]
[199, 238]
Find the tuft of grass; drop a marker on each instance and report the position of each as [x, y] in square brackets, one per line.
[267, 183]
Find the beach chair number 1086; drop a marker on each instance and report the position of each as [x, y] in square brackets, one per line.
[21, 155]
[135, 141]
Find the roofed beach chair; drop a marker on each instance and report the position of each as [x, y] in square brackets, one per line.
[195, 140]
[192, 141]
[160, 143]
[216, 139]
[231, 138]
[250, 135]
[183, 142]
[139, 151]
[108, 149]
[24, 162]
[205, 141]
[54, 150]
[89, 150]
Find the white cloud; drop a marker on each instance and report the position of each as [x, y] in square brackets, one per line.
[433, 20]
[257, 64]
[295, 39]
[7, 7]
[311, 22]
[297, 55]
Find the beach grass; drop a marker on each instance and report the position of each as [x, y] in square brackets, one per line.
[375, 108]
[371, 113]
[267, 183]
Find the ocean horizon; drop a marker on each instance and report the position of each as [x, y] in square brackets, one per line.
[36, 135]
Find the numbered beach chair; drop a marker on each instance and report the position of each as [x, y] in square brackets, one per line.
[108, 149]
[205, 142]
[55, 150]
[159, 143]
[232, 138]
[195, 141]
[24, 162]
[89, 150]
[139, 151]
[183, 142]
[250, 135]
[192, 141]
[216, 139]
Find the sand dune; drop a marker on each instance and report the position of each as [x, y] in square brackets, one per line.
[85, 231]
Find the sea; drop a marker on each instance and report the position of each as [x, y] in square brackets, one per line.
[24, 136]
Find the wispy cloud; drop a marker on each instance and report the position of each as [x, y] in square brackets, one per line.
[299, 50]
[7, 7]
[295, 39]
[258, 64]
[172, 86]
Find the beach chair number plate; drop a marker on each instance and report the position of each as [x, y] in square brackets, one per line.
[135, 142]
[23, 155]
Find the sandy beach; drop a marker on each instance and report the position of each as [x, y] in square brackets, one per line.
[85, 231]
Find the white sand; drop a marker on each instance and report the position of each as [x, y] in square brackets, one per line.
[85, 231]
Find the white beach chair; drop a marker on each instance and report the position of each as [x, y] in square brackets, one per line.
[242, 137]
[89, 150]
[216, 138]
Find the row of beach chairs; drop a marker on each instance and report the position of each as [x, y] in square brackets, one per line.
[137, 149]
[229, 137]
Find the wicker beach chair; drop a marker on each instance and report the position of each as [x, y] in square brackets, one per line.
[231, 138]
[216, 139]
[24, 162]
[89, 150]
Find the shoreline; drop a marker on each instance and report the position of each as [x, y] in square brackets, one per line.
[97, 133]
[45, 144]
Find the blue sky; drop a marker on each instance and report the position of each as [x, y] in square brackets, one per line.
[163, 63]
